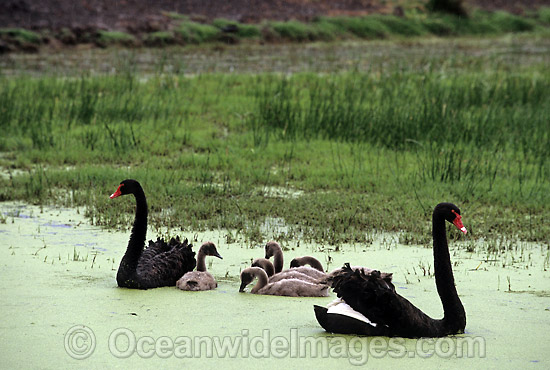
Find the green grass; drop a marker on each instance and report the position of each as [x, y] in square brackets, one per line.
[294, 31]
[21, 35]
[416, 24]
[395, 110]
[160, 38]
[245, 31]
[196, 33]
[115, 37]
[507, 22]
[180, 29]
[362, 27]
[353, 151]
[401, 26]
[543, 15]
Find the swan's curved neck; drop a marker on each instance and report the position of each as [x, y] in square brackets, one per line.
[201, 260]
[313, 262]
[454, 313]
[262, 280]
[266, 265]
[139, 230]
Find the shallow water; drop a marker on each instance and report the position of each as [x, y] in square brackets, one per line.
[58, 275]
[508, 52]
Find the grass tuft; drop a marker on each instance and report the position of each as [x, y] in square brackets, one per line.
[196, 33]
[115, 37]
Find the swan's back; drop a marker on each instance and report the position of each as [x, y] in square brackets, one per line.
[165, 268]
[309, 271]
[293, 274]
[197, 281]
[290, 287]
[155, 248]
[295, 288]
[344, 273]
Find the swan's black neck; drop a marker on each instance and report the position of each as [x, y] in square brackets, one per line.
[454, 314]
[139, 230]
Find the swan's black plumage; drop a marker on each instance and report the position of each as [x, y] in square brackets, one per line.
[393, 314]
[161, 263]
[154, 248]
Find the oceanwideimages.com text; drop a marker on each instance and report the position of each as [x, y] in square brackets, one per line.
[80, 343]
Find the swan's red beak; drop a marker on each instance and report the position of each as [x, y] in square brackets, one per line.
[458, 223]
[117, 193]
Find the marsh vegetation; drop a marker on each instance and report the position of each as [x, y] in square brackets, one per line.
[330, 156]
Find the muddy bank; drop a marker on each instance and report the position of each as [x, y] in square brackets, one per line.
[147, 15]
[29, 25]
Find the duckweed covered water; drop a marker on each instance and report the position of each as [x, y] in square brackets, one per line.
[59, 288]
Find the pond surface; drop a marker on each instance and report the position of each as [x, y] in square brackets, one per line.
[61, 306]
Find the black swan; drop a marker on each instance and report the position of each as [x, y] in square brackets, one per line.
[160, 264]
[379, 310]
[201, 279]
[286, 287]
[385, 276]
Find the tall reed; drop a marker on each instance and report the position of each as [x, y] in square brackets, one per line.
[396, 109]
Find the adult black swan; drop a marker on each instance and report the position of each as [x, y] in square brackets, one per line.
[369, 306]
[161, 263]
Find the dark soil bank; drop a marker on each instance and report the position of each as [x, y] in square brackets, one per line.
[146, 15]
[58, 23]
